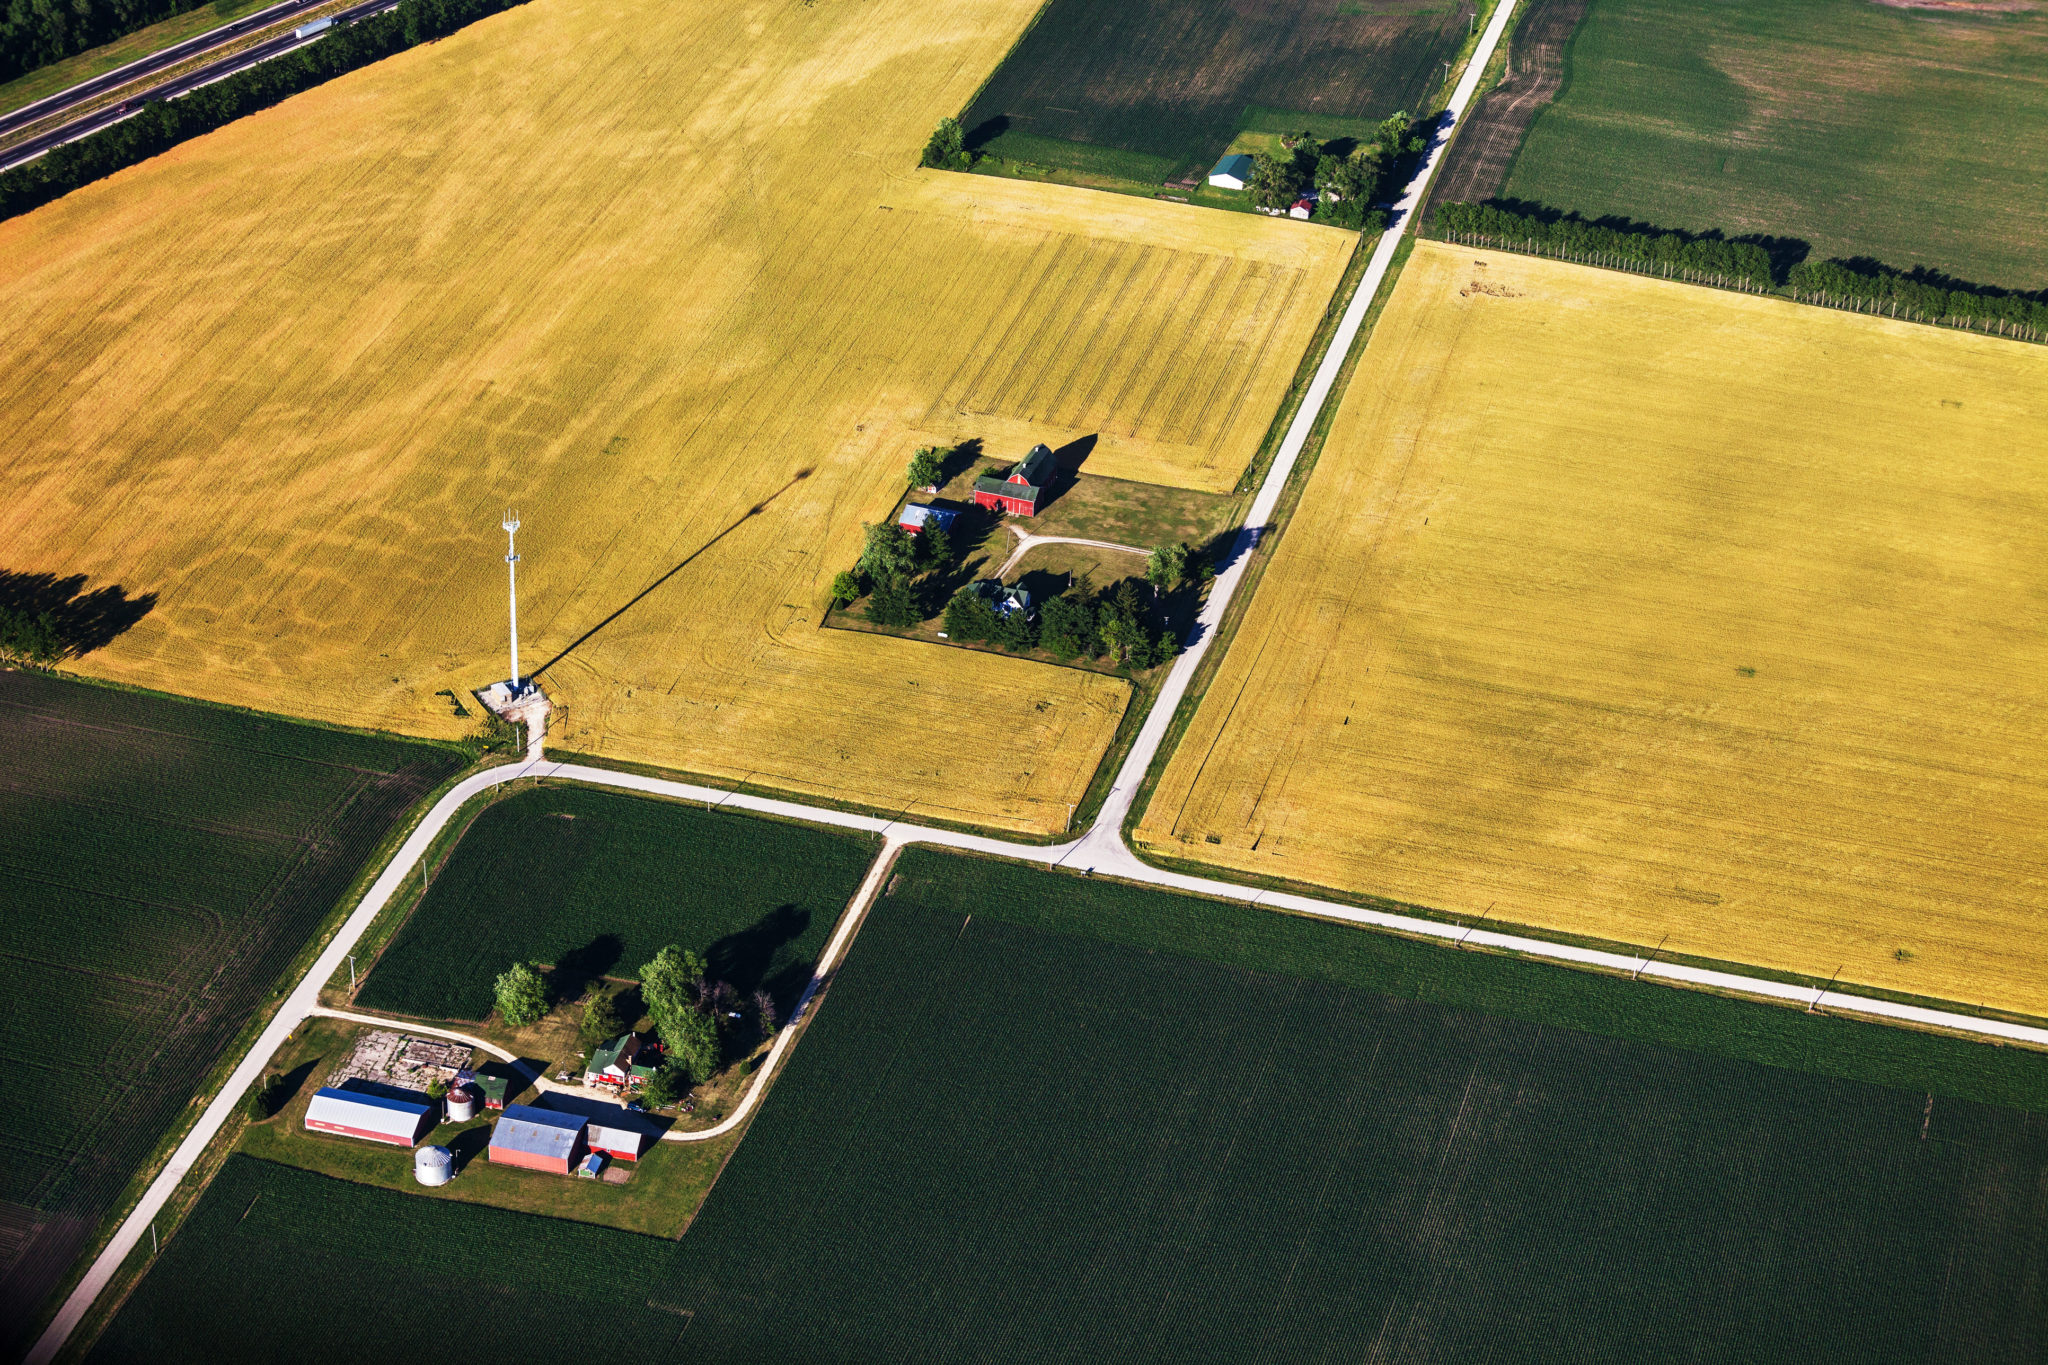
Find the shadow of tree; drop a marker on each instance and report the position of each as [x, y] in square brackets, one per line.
[747, 959]
[85, 621]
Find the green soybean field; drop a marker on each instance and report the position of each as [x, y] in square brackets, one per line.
[1045, 1117]
[594, 883]
[161, 862]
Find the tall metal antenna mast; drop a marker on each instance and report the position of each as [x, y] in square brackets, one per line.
[512, 582]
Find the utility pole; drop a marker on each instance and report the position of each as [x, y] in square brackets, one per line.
[512, 584]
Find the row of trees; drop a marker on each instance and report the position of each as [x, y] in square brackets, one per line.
[1920, 295]
[1349, 175]
[1675, 255]
[35, 33]
[163, 125]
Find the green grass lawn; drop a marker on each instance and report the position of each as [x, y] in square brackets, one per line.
[659, 1196]
[1043, 1117]
[595, 883]
[1909, 135]
[161, 862]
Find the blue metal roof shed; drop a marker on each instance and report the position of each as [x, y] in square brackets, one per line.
[537, 1139]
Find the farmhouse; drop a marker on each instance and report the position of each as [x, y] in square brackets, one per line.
[916, 516]
[1020, 493]
[1232, 172]
[615, 1064]
[374, 1118]
[1004, 599]
[537, 1139]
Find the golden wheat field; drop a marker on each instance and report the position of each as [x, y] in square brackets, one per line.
[1630, 610]
[664, 276]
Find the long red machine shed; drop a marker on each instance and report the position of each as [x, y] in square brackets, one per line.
[537, 1139]
[373, 1118]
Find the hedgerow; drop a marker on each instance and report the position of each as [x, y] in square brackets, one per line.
[1865, 286]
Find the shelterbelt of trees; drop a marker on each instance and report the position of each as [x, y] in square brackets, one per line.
[1866, 286]
[161, 126]
[35, 33]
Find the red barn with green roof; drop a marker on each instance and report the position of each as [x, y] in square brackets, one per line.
[1019, 494]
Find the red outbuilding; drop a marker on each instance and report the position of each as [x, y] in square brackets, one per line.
[537, 1139]
[1023, 490]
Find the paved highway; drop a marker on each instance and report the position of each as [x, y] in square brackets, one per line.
[106, 116]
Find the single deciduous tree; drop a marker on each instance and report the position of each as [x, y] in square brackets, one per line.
[601, 1019]
[925, 469]
[845, 588]
[665, 1087]
[522, 995]
[692, 1041]
[947, 150]
[1167, 567]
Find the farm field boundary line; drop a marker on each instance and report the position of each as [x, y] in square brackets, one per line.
[303, 1002]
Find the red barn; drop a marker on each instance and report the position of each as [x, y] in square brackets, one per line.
[1020, 493]
[537, 1139]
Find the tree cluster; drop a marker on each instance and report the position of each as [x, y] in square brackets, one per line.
[1920, 296]
[1349, 176]
[947, 150]
[35, 33]
[1706, 259]
[1078, 624]
[29, 637]
[693, 1013]
[162, 125]
[895, 568]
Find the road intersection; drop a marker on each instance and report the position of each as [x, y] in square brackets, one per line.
[1100, 850]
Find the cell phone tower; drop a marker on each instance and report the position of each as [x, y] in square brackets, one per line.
[512, 583]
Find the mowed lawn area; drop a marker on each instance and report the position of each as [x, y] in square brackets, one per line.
[160, 864]
[595, 883]
[1168, 83]
[667, 277]
[1914, 133]
[1650, 613]
[1040, 1117]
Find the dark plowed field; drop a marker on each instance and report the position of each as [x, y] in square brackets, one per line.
[160, 864]
[1045, 1118]
[1177, 79]
[1487, 144]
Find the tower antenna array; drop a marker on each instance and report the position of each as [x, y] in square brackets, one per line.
[512, 582]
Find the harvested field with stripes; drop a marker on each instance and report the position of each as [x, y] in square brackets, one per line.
[1649, 613]
[664, 277]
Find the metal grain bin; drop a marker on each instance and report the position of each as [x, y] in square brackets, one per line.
[433, 1165]
[461, 1104]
